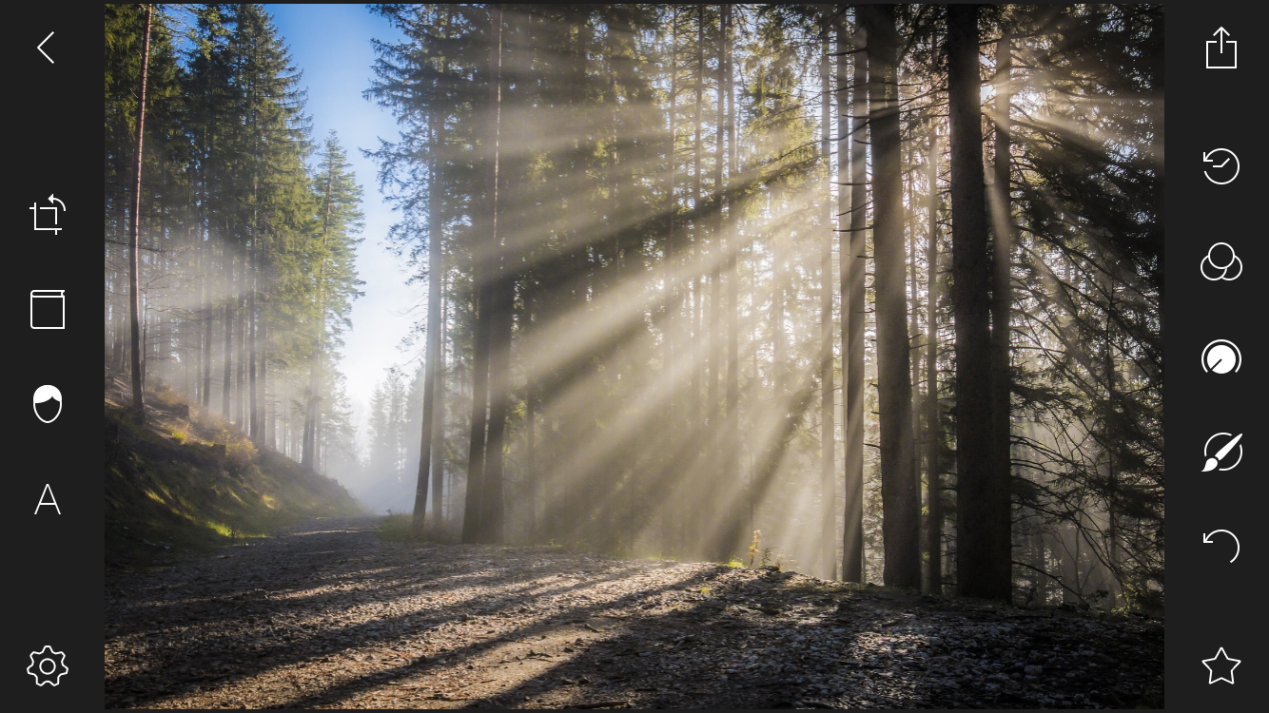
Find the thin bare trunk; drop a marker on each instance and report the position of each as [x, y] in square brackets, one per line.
[226, 384]
[312, 415]
[500, 323]
[432, 367]
[853, 318]
[438, 414]
[828, 500]
[1002, 291]
[134, 263]
[672, 301]
[732, 442]
[253, 416]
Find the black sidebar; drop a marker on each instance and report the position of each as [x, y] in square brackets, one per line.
[1217, 265]
[52, 306]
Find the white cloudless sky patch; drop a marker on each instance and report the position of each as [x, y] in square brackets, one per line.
[331, 45]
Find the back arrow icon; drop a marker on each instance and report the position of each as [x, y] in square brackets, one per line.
[40, 47]
[1207, 540]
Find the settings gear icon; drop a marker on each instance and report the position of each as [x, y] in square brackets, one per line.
[47, 666]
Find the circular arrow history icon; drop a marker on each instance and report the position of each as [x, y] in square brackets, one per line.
[1220, 166]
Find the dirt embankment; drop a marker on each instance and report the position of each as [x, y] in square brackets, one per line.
[187, 480]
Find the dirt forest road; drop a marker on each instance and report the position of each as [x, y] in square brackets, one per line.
[327, 615]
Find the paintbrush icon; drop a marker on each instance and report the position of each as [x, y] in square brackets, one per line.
[1213, 462]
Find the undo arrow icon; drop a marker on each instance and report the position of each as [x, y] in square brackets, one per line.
[1207, 540]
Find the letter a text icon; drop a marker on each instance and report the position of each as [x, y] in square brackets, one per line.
[47, 500]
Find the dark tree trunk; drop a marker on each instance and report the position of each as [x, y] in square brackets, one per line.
[900, 506]
[933, 427]
[486, 277]
[499, 405]
[980, 499]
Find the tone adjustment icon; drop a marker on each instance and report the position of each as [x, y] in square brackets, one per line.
[1222, 356]
[1223, 168]
[1221, 264]
[48, 666]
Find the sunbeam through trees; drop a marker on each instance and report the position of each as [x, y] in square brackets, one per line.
[872, 292]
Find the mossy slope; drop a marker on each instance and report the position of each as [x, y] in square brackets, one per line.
[191, 481]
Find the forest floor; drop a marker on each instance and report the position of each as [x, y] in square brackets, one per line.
[328, 615]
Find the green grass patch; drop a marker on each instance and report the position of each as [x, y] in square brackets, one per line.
[396, 528]
[399, 527]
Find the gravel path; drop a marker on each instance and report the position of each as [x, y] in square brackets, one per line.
[326, 615]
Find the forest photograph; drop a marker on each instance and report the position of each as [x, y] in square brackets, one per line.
[634, 356]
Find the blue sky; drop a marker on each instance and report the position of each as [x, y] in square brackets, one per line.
[331, 44]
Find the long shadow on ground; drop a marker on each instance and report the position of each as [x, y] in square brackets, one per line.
[335, 618]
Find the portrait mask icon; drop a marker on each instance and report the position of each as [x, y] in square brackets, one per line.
[48, 403]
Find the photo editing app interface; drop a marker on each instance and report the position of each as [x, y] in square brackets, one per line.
[636, 356]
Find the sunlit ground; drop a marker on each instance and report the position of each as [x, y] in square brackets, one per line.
[328, 616]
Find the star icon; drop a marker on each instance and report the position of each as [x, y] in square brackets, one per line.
[1221, 667]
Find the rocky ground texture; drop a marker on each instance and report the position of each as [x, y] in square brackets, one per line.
[327, 615]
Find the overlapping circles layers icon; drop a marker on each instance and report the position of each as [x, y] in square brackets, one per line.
[1221, 264]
